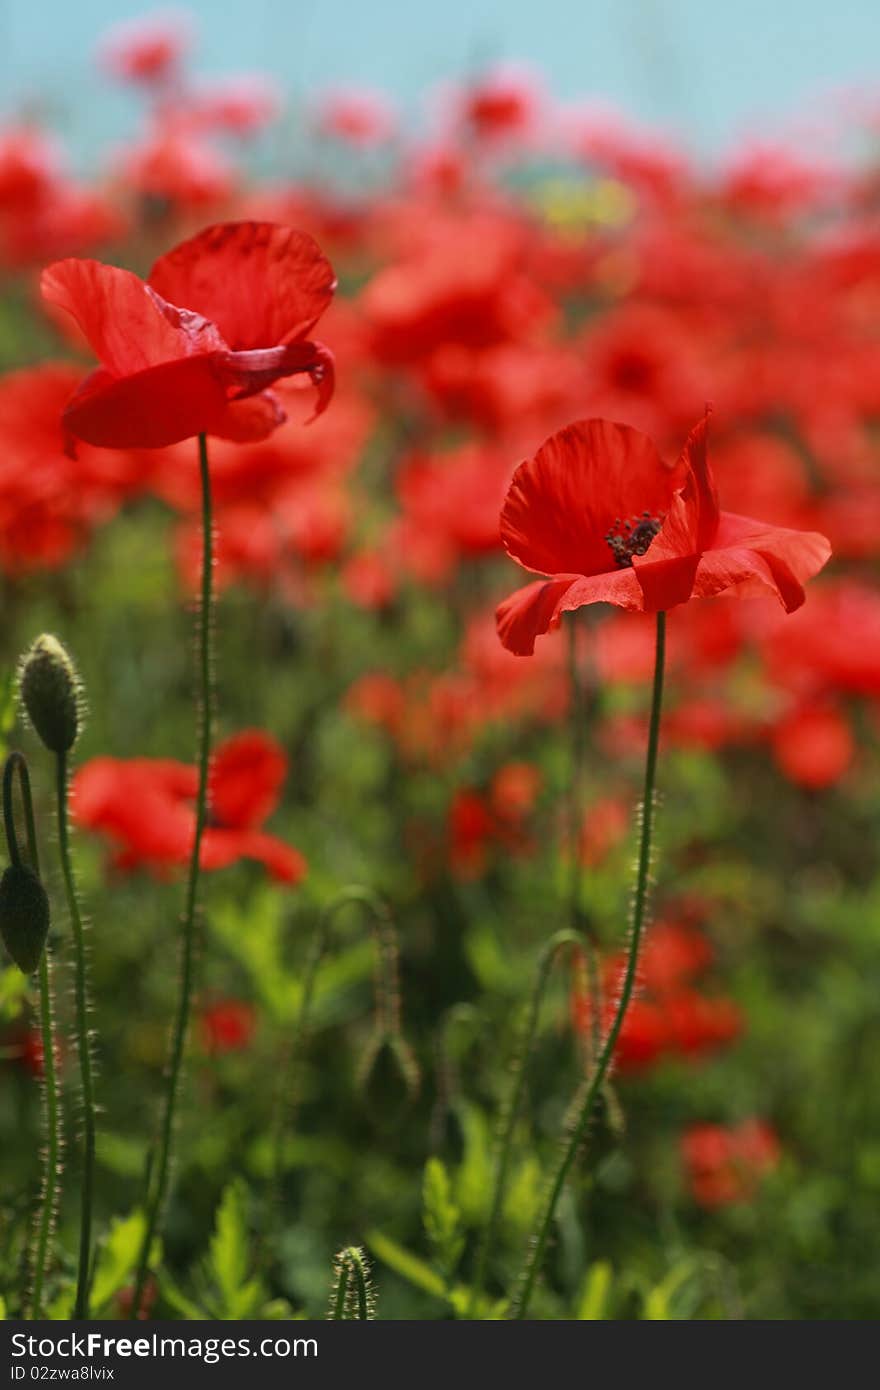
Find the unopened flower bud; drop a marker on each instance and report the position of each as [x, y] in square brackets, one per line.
[50, 693]
[24, 916]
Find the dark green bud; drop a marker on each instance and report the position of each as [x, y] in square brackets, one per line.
[49, 688]
[24, 916]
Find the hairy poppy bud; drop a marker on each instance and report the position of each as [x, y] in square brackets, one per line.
[24, 916]
[50, 693]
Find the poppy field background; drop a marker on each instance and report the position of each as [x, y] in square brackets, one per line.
[381, 761]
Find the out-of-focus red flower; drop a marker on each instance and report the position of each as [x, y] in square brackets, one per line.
[482, 823]
[813, 745]
[599, 511]
[832, 646]
[727, 1164]
[605, 825]
[49, 502]
[450, 509]
[43, 212]
[776, 181]
[146, 51]
[125, 1298]
[670, 1017]
[355, 115]
[227, 1026]
[645, 366]
[240, 105]
[147, 807]
[504, 104]
[26, 1047]
[195, 349]
[673, 954]
[641, 158]
[173, 168]
[369, 579]
[464, 283]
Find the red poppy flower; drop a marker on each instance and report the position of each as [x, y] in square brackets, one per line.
[227, 1026]
[599, 511]
[49, 502]
[145, 50]
[813, 745]
[195, 348]
[147, 806]
[727, 1164]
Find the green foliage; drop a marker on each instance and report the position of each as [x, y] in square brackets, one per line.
[442, 1218]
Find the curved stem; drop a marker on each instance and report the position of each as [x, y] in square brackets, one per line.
[160, 1170]
[17, 763]
[83, 1046]
[387, 1007]
[520, 1302]
[510, 1112]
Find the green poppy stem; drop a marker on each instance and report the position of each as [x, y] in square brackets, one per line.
[16, 763]
[351, 1295]
[537, 1246]
[83, 1047]
[511, 1109]
[158, 1185]
[578, 918]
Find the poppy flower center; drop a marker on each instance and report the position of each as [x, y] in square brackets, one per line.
[632, 537]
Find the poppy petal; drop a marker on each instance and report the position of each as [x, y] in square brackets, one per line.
[261, 284]
[752, 559]
[582, 481]
[159, 406]
[221, 848]
[247, 775]
[254, 370]
[538, 608]
[128, 326]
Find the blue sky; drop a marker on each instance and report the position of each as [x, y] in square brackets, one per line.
[706, 70]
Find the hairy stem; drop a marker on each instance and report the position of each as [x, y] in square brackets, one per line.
[578, 918]
[387, 1015]
[160, 1169]
[511, 1109]
[535, 1259]
[351, 1296]
[16, 763]
[83, 1047]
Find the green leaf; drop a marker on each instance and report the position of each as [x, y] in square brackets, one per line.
[229, 1255]
[409, 1267]
[593, 1303]
[442, 1218]
[474, 1178]
[660, 1305]
[117, 1259]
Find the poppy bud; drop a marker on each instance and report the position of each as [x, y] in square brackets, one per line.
[24, 916]
[50, 693]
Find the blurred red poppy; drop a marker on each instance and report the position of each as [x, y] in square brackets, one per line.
[599, 511]
[726, 1164]
[147, 805]
[227, 1025]
[195, 348]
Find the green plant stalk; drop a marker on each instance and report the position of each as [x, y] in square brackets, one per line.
[51, 1087]
[351, 1267]
[577, 917]
[520, 1302]
[511, 1110]
[52, 1169]
[160, 1169]
[83, 1047]
[387, 1007]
